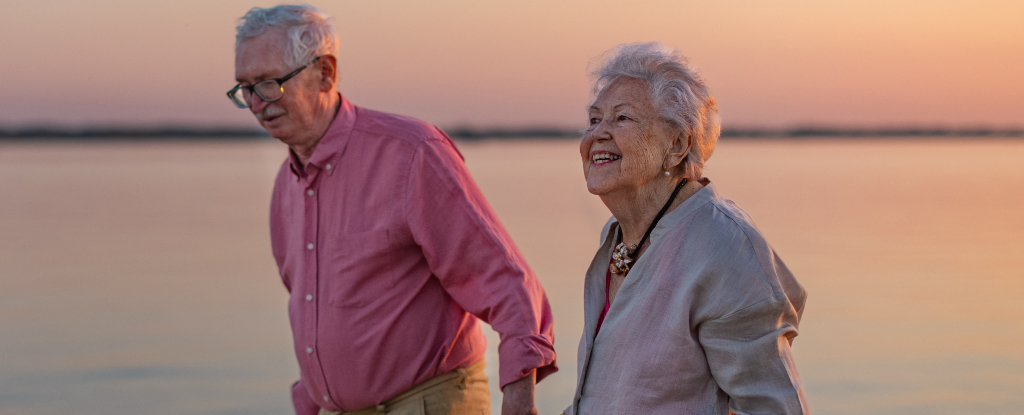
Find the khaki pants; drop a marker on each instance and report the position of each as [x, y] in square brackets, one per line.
[461, 391]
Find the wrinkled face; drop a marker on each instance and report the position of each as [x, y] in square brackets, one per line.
[627, 142]
[290, 118]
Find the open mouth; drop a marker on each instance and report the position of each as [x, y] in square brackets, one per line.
[604, 158]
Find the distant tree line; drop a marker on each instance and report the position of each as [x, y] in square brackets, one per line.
[466, 133]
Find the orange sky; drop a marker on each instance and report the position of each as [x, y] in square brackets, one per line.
[864, 63]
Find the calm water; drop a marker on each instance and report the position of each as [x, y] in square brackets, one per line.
[138, 276]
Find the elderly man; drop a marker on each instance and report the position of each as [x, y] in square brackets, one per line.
[387, 247]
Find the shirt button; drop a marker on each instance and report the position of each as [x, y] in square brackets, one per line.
[309, 297]
[309, 192]
[309, 350]
[309, 246]
[325, 396]
[328, 167]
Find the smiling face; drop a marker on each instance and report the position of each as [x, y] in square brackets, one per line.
[290, 119]
[626, 144]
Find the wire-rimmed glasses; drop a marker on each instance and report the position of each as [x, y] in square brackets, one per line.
[269, 90]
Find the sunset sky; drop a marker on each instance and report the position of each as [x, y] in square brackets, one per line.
[524, 63]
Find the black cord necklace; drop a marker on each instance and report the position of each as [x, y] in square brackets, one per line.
[622, 255]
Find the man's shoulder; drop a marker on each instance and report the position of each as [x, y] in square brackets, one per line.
[386, 125]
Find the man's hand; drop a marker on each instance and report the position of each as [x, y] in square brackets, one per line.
[518, 396]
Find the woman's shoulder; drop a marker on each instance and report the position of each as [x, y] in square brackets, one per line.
[708, 217]
[728, 218]
[733, 263]
[718, 228]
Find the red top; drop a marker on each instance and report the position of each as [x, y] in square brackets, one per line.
[391, 254]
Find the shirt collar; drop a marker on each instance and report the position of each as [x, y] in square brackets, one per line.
[328, 151]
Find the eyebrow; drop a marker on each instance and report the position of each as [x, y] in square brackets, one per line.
[615, 107]
[260, 77]
[256, 80]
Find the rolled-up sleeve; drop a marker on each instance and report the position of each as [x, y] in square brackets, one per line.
[476, 261]
[748, 352]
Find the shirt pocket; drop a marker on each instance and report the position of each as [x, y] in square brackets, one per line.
[359, 269]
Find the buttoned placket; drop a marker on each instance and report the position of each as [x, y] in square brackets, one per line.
[311, 216]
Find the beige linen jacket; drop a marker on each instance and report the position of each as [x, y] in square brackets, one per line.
[702, 325]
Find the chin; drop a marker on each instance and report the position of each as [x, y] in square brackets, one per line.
[280, 133]
[284, 138]
[596, 188]
[278, 127]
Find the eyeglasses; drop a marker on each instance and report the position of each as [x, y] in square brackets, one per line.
[269, 90]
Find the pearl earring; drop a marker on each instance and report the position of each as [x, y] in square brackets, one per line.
[667, 173]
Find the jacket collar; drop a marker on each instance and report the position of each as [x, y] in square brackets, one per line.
[703, 196]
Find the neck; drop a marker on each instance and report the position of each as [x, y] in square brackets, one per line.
[635, 210]
[325, 113]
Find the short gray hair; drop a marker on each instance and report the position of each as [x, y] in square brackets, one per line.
[678, 92]
[309, 30]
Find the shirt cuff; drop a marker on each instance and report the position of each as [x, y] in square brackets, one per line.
[520, 355]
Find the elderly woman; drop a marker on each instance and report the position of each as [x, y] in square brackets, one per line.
[688, 309]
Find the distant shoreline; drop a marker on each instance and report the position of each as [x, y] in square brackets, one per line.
[470, 134]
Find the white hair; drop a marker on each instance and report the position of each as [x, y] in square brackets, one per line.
[677, 90]
[309, 30]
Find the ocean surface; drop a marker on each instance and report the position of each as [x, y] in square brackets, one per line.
[136, 277]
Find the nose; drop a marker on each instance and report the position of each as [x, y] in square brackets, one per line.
[257, 104]
[601, 131]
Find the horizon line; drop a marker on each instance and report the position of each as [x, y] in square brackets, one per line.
[471, 133]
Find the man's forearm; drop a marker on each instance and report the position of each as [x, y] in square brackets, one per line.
[518, 396]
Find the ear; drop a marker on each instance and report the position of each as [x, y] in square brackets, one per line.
[328, 72]
[678, 149]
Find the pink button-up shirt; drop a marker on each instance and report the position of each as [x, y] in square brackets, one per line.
[391, 254]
